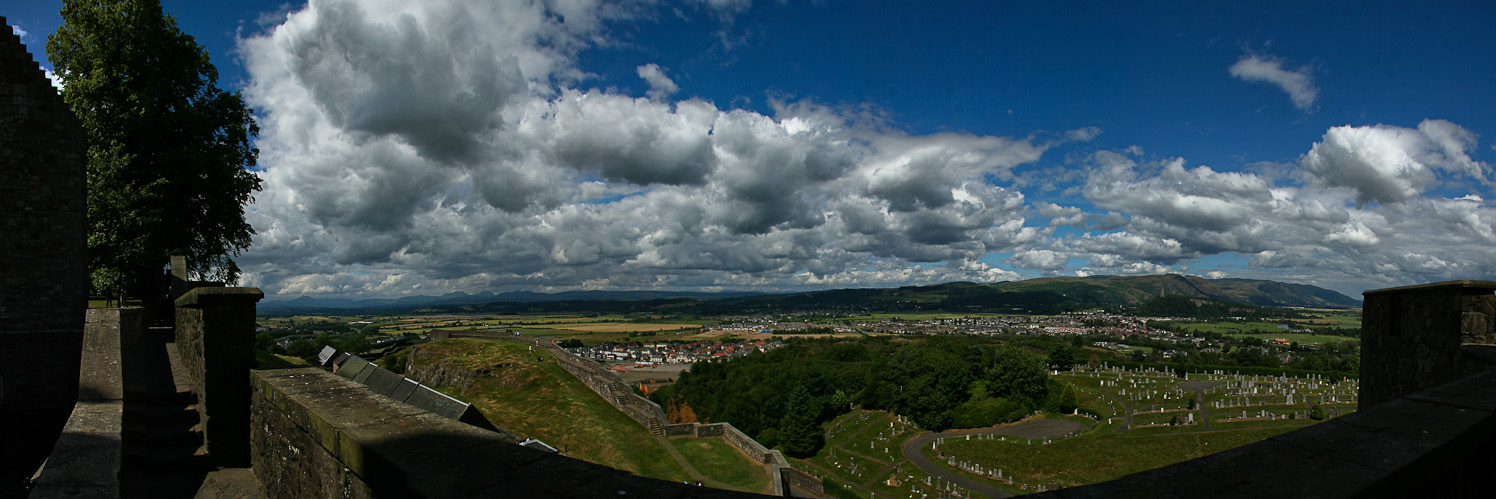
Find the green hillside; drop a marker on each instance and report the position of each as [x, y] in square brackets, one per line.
[1058, 294]
[539, 399]
[530, 395]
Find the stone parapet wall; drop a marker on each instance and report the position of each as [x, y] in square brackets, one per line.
[110, 336]
[800, 481]
[215, 335]
[612, 388]
[44, 273]
[86, 459]
[319, 435]
[1411, 337]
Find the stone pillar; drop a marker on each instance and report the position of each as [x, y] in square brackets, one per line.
[215, 339]
[179, 282]
[1411, 336]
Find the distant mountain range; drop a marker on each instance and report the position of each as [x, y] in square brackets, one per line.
[482, 297]
[1040, 295]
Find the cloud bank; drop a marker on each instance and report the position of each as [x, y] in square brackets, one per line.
[454, 145]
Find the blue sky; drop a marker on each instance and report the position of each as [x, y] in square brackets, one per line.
[464, 146]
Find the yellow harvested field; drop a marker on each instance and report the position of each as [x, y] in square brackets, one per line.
[617, 327]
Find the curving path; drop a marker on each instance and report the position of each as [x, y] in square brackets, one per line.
[1199, 387]
[1048, 428]
[1126, 411]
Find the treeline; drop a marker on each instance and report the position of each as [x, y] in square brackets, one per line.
[783, 396]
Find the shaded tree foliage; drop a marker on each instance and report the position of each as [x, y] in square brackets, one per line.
[169, 151]
[782, 397]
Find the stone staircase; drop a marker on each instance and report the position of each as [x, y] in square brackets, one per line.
[162, 443]
[656, 427]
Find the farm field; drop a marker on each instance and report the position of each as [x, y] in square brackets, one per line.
[1266, 330]
[1303, 339]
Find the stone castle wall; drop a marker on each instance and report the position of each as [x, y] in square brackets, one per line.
[43, 273]
[649, 414]
[1415, 337]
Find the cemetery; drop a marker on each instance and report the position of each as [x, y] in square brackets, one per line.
[1147, 418]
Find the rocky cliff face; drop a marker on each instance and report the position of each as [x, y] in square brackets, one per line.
[431, 369]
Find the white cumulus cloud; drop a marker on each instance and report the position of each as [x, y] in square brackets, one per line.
[660, 85]
[1267, 69]
[1388, 164]
[451, 145]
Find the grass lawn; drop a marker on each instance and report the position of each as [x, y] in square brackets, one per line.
[720, 461]
[542, 400]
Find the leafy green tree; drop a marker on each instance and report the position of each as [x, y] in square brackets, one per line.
[1016, 374]
[1069, 400]
[264, 341]
[303, 348]
[1062, 357]
[799, 433]
[169, 152]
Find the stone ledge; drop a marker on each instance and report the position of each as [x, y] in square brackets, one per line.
[85, 462]
[1475, 286]
[200, 297]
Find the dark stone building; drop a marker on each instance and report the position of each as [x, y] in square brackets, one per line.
[43, 271]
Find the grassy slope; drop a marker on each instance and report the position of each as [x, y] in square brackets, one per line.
[722, 462]
[542, 400]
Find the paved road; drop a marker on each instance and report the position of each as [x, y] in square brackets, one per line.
[1199, 387]
[1048, 428]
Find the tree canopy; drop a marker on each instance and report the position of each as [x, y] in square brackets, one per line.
[169, 154]
[782, 397]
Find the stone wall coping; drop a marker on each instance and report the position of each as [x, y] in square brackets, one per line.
[199, 297]
[85, 462]
[1475, 286]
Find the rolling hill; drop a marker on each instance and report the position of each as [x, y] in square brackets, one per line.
[1040, 295]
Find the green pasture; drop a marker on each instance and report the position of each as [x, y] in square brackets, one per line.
[720, 461]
